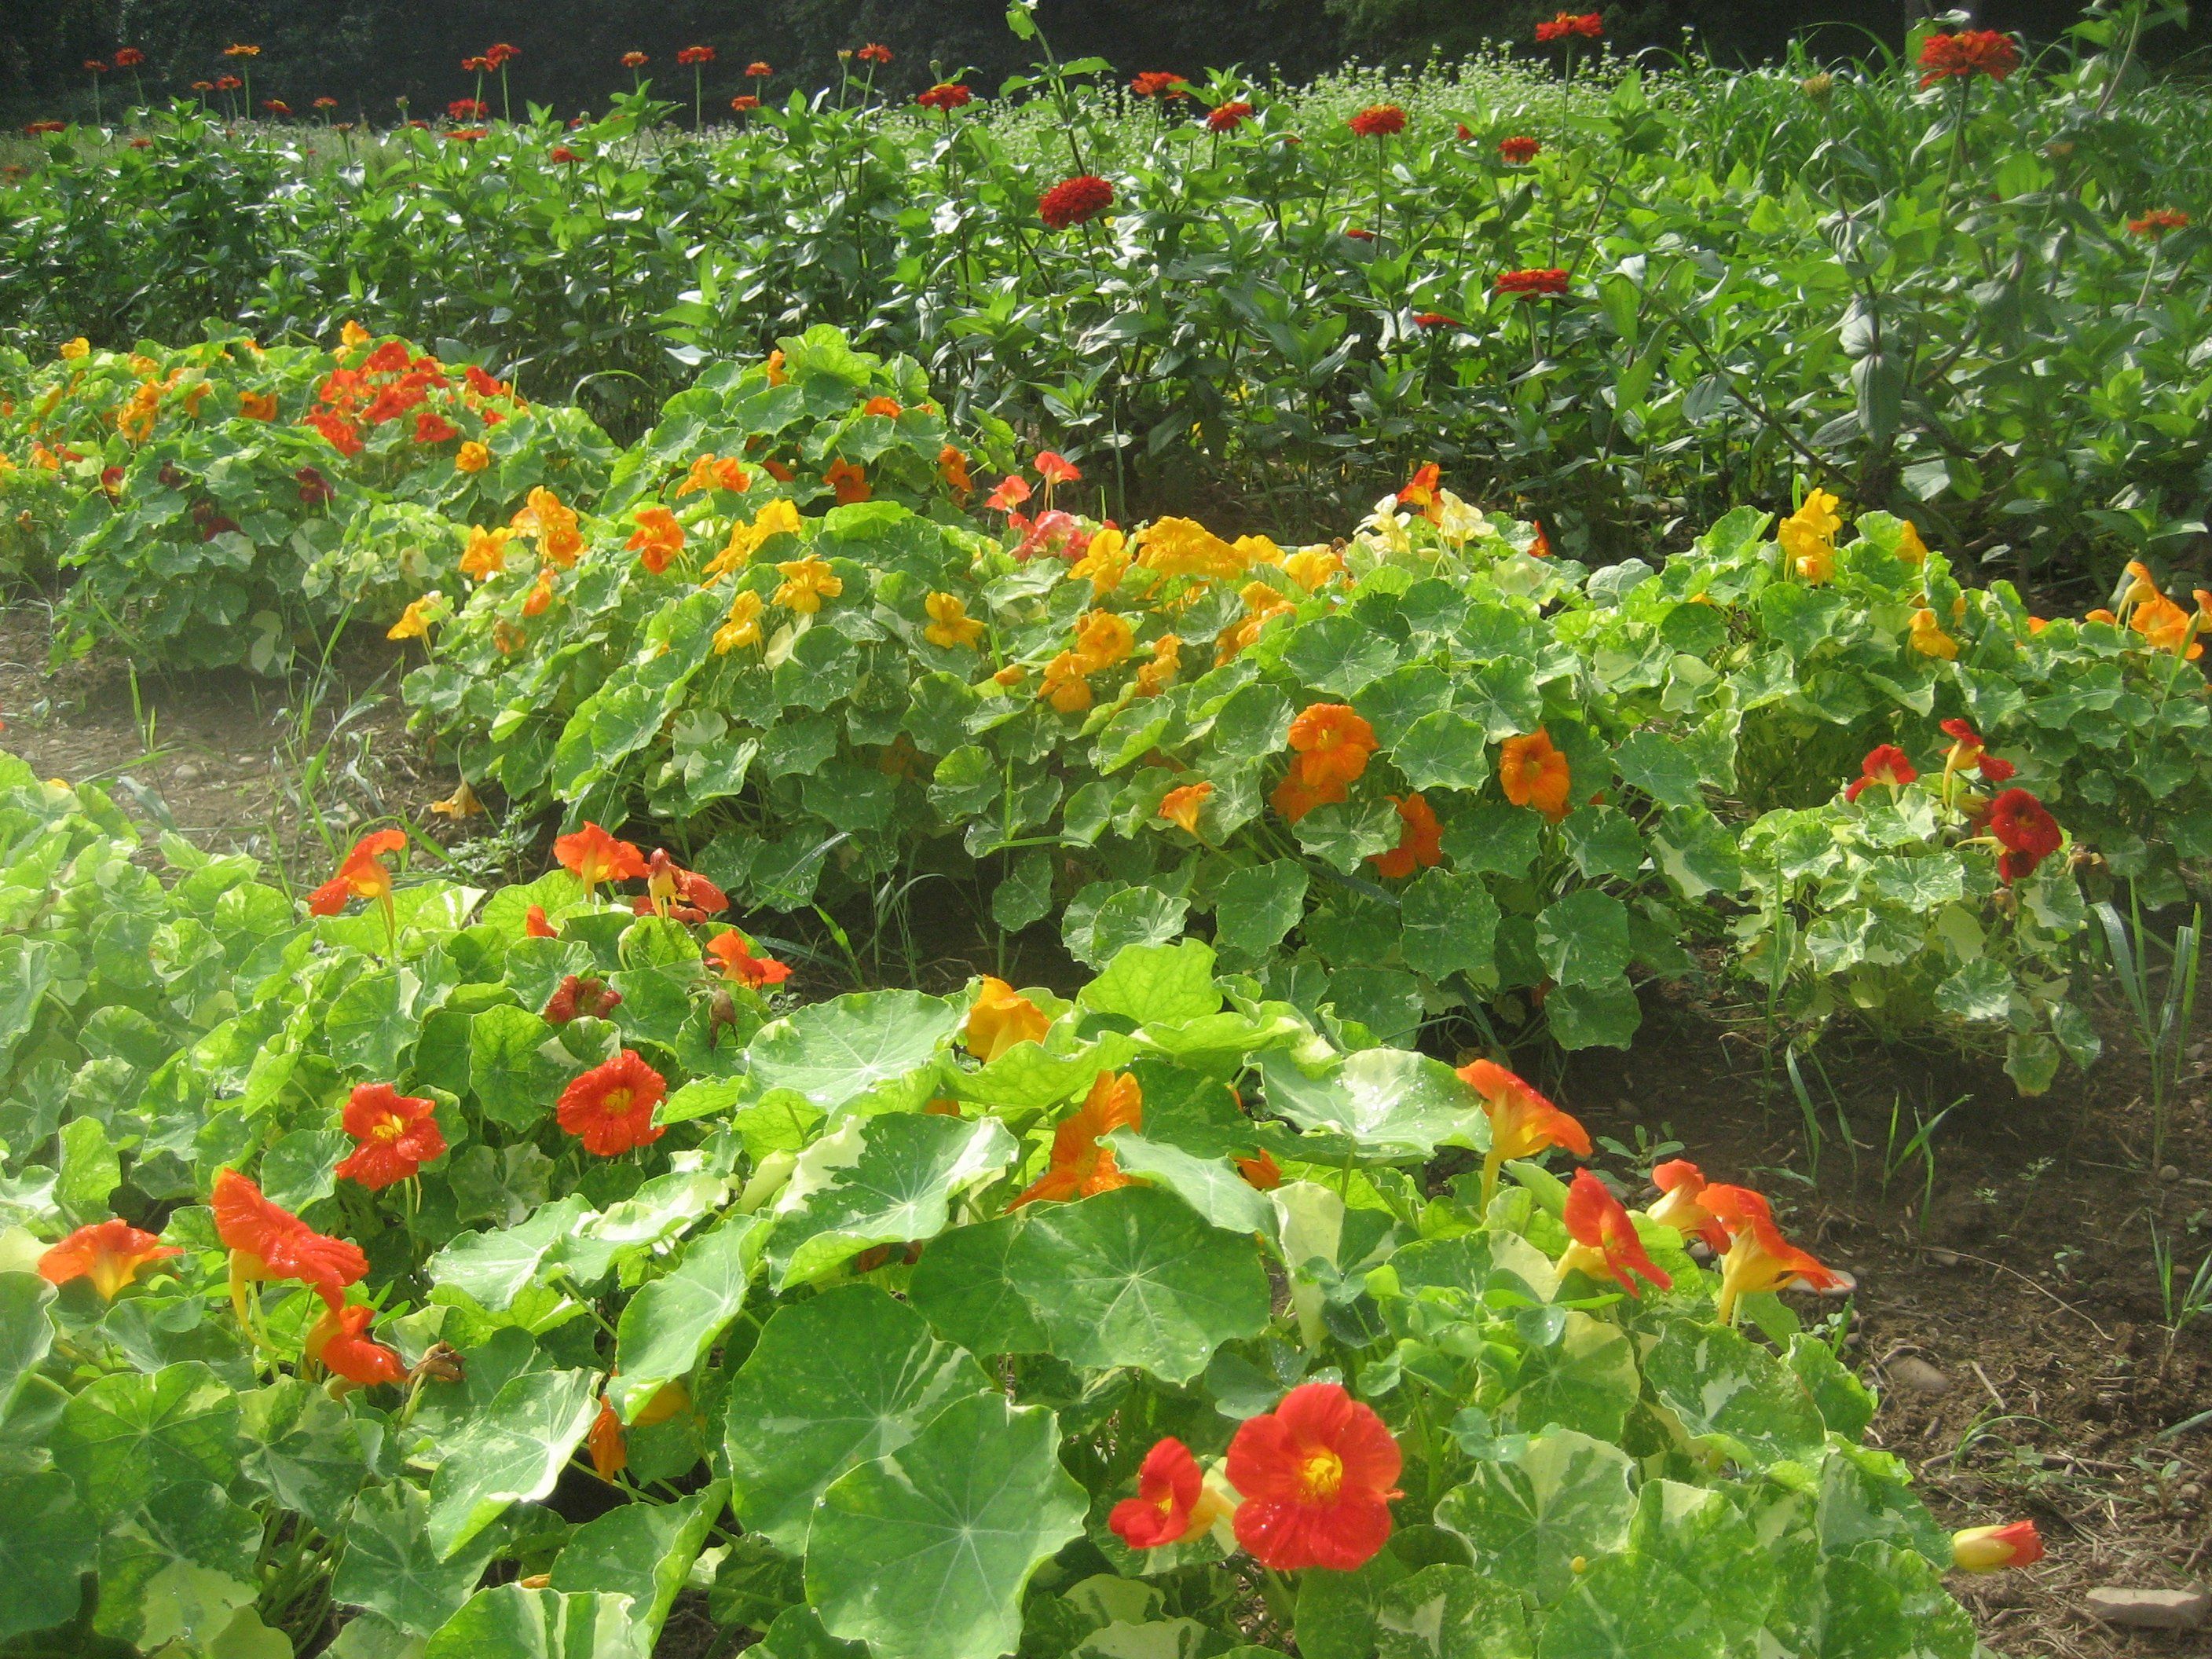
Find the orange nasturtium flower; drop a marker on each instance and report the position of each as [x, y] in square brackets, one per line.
[257, 405]
[806, 583]
[1181, 807]
[1156, 676]
[848, 481]
[1992, 1549]
[671, 889]
[715, 472]
[539, 598]
[362, 874]
[952, 467]
[471, 457]
[108, 1253]
[1332, 743]
[592, 855]
[1420, 840]
[486, 553]
[338, 1341]
[554, 524]
[657, 539]
[1064, 686]
[1522, 1121]
[742, 626]
[1606, 1247]
[1080, 1167]
[1260, 1170]
[1001, 1018]
[394, 1135]
[1683, 1207]
[1102, 639]
[1317, 1474]
[610, 1108]
[1174, 1505]
[734, 954]
[1421, 492]
[1533, 773]
[1758, 1258]
[951, 627]
[267, 1241]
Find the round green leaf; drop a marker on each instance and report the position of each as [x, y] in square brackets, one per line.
[1447, 1612]
[873, 1051]
[47, 1538]
[513, 1454]
[670, 1323]
[1726, 1389]
[1630, 1607]
[1395, 1104]
[1559, 1496]
[127, 1435]
[887, 1180]
[509, 1622]
[1586, 1381]
[391, 1568]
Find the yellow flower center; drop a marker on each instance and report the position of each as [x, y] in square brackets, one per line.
[1320, 1477]
[616, 1103]
[391, 1130]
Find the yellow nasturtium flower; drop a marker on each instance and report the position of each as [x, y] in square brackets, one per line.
[78, 349]
[1183, 547]
[1808, 537]
[1910, 547]
[1929, 638]
[778, 518]
[1102, 639]
[949, 624]
[472, 457]
[1311, 567]
[486, 554]
[806, 583]
[415, 621]
[1104, 561]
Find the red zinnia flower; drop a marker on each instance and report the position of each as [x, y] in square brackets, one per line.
[1075, 201]
[269, 1242]
[339, 1343]
[1605, 1245]
[1548, 280]
[108, 1253]
[95, 66]
[1518, 150]
[362, 875]
[1379, 121]
[2156, 223]
[758, 70]
[1433, 319]
[1155, 84]
[633, 60]
[2024, 829]
[501, 54]
[945, 95]
[1318, 1474]
[1962, 56]
[1884, 763]
[129, 58]
[1227, 118]
[874, 53]
[1565, 25]
[467, 109]
[592, 855]
[561, 155]
[691, 55]
[610, 1108]
[394, 1135]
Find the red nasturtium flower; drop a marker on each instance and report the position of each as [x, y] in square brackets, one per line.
[733, 953]
[1227, 118]
[1885, 763]
[535, 924]
[1549, 280]
[1683, 1206]
[1332, 742]
[1992, 1549]
[1001, 1018]
[592, 855]
[339, 1342]
[1379, 121]
[1522, 1121]
[1533, 773]
[579, 994]
[1606, 1247]
[362, 875]
[1317, 1475]
[1075, 201]
[1260, 1170]
[672, 890]
[848, 481]
[1966, 54]
[1173, 1505]
[108, 1253]
[1420, 840]
[432, 428]
[1565, 25]
[610, 1452]
[610, 1108]
[1080, 1167]
[1519, 151]
[394, 1135]
[2023, 826]
[1758, 1258]
[269, 1242]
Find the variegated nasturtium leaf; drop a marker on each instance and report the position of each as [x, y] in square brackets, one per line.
[1878, 1603]
[1527, 1517]
[872, 1051]
[1396, 1105]
[127, 1435]
[176, 1567]
[641, 1551]
[1845, 1404]
[1447, 1612]
[391, 1568]
[1726, 1389]
[305, 1448]
[1338, 1612]
[835, 1381]
[1866, 1495]
[1211, 1186]
[1630, 1606]
[47, 1539]
[673, 1320]
[889, 1179]
[25, 1332]
[510, 1622]
[1586, 1381]
[498, 1264]
[513, 1454]
[925, 1554]
[1703, 1537]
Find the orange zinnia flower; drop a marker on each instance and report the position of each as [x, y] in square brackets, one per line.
[1758, 1258]
[1080, 1167]
[1522, 1121]
[1172, 1504]
[1333, 743]
[1181, 807]
[592, 855]
[1001, 1018]
[658, 538]
[1683, 1208]
[1318, 1474]
[338, 1342]
[108, 1253]
[1534, 773]
[1605, 1245]
[1420, 840]
[362, 875]
[733, 952]
[610, 1108]
[394, 1135]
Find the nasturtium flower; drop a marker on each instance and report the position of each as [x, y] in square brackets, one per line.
[1604, 1246]
[1260, 1170]
[657, 538]
[604, 1441]
[2025, 830]
[1808, 538]
[257, 405]
[1929, 639]
[579, 994]
[1183, 547]
[1758, 1257]
[1009, 492]
[777, 517]
[1064, 686]
[1103, 639]
[742, 626]
[1294, 797]
[733, 955]
[77, 350]
[592, 855]
[952, 468]
[554, 525]
[1105, 560]
[1317, 1475]
[267, 1241]
[1331, 742]
[415, 621]
[339, 1342]
[394, 1135]
[485, 555]
[1992, 1549]
[539, 598]
[111, 1254]
[848, 481]
[1884, 763]
[1682, 1207]
[1079, 1166]
[471, 457]
[1420, 840]
[610, 1108]
[1174, 1503]
[1156, 676]
[806, 583]
[1533, 773]
[1910, 547]
[1420, 491]
[670, 889]
[1261, 602]
[1523, 1122]
[535, 924]
[1181, 807]
[361, 875]
[715, 472]
[432, 428]
[1002, 1018]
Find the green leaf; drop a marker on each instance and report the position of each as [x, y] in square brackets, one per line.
[1445, 749]
[304, 1448]
[1528, 1516]
[369, 1027]
[1698, 1532]
[513, 1454]
[1583, 938]
[1338, 654]
[1586, 1381]
[925, 1554]
[643, 1550]
[672, 1322]
[834, 1382]
[1025, 895]
[389, 1567]
[1257, 906]
[1631, 1608]
[1593, 1016]
[1211, 1186]
[1338, 1612]
[127, 1435]
[496, 1265]
[1097, 929]
[1845, 1404]
[1883, 1603]
[1451, 924]
[870, 1051]
[1447, 1612]
[1157, 984]
[27, 1333]
[1726, 1389]
[1979, 991]
[1395, 1104]
[964, 1286]
[47, 1538]
[176, 1568]
[509, 1622]
[1867, 1494]
[91, 1170]
[1659, 766]
[887, 1180]
[516, 1068]
[1503, 698]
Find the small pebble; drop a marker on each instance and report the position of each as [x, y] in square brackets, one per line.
[1918, 1376]
[188, 773]
[2150, 1609]
[2168, 1174]
[1944, 1258]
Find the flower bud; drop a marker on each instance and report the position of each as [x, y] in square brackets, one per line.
[1992, 1549]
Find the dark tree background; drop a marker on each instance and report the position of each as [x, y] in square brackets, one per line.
[367, 53]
